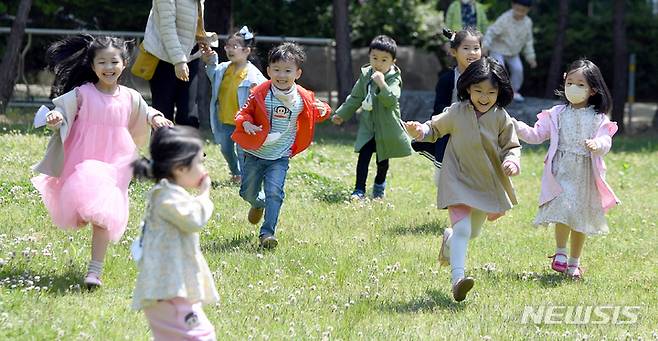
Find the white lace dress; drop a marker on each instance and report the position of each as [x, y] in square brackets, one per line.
[579, 204]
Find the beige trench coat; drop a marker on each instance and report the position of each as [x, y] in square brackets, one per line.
[472, 172]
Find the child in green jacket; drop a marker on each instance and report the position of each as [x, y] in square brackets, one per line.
[377, 93]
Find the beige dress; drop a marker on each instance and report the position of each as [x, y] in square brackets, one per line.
[472, 172]
[172, 264]
[579, 204]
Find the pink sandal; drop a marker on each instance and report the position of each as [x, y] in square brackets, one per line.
[558, 266]
[577, 272]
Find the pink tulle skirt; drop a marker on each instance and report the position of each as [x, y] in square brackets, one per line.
[95, 192]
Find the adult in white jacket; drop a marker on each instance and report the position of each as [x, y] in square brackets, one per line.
[173, 29]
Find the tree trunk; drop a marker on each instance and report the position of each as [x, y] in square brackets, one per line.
[217, 18]
[620, 75]
[8, 69]
[555, 69]
[343, 48]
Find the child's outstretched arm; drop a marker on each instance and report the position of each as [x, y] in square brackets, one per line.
[510, 148]
[322, 110]
[351, 104]
[493, 31]
[244, 119]
[54, 119]
[153, 116]
[431, 130]
[601, 144]
[529, 51]
[210, 58]
[537, 134]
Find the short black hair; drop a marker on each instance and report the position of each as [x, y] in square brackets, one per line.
[526, 3]
[602, 99]
[289, 52]
[384, 43]
[486, 68]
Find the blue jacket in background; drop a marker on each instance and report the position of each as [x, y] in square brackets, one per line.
[215, 73]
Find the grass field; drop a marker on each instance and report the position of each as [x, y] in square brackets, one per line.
[342, 270]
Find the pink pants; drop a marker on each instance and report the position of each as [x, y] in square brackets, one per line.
[461, 211]
[177, 319]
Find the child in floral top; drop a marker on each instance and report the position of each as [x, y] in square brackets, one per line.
[174, 279]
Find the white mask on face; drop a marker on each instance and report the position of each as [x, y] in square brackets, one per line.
[576, 94]
[465, 2]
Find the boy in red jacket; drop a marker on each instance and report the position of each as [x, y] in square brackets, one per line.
[276, 123]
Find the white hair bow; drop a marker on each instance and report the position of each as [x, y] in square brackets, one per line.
[245, 32]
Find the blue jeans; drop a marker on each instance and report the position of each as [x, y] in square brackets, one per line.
[232, 152]
[262, 187]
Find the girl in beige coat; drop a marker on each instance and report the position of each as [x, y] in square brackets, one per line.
[483, 151]
[174, 280]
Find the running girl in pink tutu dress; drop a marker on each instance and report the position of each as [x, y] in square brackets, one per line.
[99, 124]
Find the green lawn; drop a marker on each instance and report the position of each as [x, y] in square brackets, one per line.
[342, 270]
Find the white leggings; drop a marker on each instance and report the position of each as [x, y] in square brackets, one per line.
[514, 68]
[463, 231]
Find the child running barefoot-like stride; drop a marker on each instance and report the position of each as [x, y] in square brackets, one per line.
[481, 155]
[574, 194]
[99, 124]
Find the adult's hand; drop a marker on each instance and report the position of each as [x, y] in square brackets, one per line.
[182, 72]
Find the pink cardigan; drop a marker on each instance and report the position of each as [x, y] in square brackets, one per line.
[547, 127]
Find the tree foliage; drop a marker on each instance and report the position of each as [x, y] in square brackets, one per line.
[410, 22]
[589, 35]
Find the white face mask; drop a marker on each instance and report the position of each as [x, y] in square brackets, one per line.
[465, 2]
[576, 94]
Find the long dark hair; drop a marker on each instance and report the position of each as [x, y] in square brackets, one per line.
[486, 68]
[602, 99]
[171, 147]
[71, 60]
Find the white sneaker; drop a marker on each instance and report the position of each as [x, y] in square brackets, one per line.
[518, 97]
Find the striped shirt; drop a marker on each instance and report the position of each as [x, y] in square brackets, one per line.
[284, 121]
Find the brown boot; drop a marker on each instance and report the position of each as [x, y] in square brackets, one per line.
[268, 241]
[255, 214]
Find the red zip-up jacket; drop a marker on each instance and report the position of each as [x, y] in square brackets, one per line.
[255, 111]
